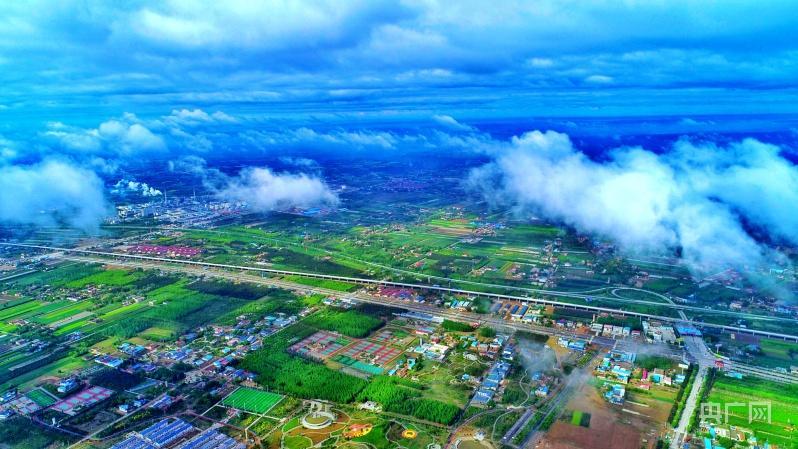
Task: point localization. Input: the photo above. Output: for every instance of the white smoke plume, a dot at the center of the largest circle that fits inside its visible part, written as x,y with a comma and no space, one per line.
141,188
700,199
52,193
535,356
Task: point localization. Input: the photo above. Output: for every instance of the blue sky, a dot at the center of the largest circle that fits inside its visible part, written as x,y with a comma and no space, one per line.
81,62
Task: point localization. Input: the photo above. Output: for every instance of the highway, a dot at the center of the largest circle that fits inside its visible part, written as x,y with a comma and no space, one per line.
455,315
540,301
586,296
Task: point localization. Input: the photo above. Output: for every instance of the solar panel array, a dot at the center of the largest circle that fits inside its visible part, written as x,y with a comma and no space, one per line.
212,439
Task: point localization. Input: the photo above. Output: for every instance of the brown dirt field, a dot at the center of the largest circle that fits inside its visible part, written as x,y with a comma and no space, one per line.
605,422
603,433
657,411
560,352
456,232
606,431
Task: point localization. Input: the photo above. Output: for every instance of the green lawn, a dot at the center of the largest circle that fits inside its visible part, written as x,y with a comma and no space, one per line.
252,400
296,442
40,397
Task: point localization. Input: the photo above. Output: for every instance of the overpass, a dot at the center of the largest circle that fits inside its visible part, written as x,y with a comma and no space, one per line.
438,288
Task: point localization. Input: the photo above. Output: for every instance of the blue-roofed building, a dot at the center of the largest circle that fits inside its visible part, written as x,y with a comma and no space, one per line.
622,374
687,331
615,395
491,383
157,436
577,345
133,442
542,391
212,439
622,356
166,431
482,397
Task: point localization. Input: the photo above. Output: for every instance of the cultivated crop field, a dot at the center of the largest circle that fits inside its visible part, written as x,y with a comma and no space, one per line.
784,407
252,400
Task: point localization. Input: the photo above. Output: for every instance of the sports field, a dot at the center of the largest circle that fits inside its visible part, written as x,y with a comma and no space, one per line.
40,398
252,400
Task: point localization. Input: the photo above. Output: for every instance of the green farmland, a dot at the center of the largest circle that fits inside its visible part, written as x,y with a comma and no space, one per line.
784,407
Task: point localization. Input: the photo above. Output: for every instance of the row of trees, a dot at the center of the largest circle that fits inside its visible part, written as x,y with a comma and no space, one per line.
456,326
281,372
298,377
400,396
221,288
351,323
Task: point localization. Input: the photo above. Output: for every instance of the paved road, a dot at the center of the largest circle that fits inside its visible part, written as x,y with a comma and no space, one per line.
705,360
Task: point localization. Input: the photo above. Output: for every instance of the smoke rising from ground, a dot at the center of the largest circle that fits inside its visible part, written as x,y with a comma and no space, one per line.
698,198
535,356
129,186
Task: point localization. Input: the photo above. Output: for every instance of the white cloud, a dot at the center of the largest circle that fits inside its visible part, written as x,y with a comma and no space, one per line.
307,136
9,150
301,162
696,198
121,137
251,26
51,193
599,79
540,63
265,190
193,117
451,123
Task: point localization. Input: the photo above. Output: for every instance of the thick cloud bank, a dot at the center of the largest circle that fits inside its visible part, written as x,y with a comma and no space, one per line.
265,190
702,200
51,193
